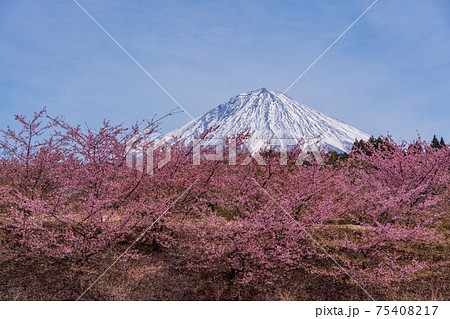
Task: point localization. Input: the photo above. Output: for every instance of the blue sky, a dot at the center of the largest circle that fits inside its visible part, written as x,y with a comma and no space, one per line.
389,74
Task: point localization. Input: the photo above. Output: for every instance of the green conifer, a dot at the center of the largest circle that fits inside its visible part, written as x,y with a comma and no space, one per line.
435,142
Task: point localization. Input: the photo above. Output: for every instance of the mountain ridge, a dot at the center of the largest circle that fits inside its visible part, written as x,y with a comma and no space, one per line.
271,118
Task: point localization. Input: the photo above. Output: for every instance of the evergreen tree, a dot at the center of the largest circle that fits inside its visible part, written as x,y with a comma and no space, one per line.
381,143
332,157
442,143
344,156
435,142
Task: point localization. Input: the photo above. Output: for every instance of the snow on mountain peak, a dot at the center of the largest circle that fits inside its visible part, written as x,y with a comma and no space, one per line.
271,118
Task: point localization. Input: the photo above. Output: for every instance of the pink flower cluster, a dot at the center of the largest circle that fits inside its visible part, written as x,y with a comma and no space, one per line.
66,193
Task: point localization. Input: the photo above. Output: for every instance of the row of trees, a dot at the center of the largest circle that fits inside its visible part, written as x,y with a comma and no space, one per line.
362,145
67,197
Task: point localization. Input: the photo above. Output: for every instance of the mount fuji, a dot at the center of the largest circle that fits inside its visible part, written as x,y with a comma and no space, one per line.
271,118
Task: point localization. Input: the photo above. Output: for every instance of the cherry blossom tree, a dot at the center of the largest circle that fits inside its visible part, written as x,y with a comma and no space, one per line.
68,194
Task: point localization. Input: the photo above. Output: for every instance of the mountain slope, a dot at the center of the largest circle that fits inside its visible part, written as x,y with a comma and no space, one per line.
272,118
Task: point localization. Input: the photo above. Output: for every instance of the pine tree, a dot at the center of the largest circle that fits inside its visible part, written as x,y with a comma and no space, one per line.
435,142
442,143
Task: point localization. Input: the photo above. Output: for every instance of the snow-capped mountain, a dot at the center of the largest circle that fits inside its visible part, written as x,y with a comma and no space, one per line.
271,118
